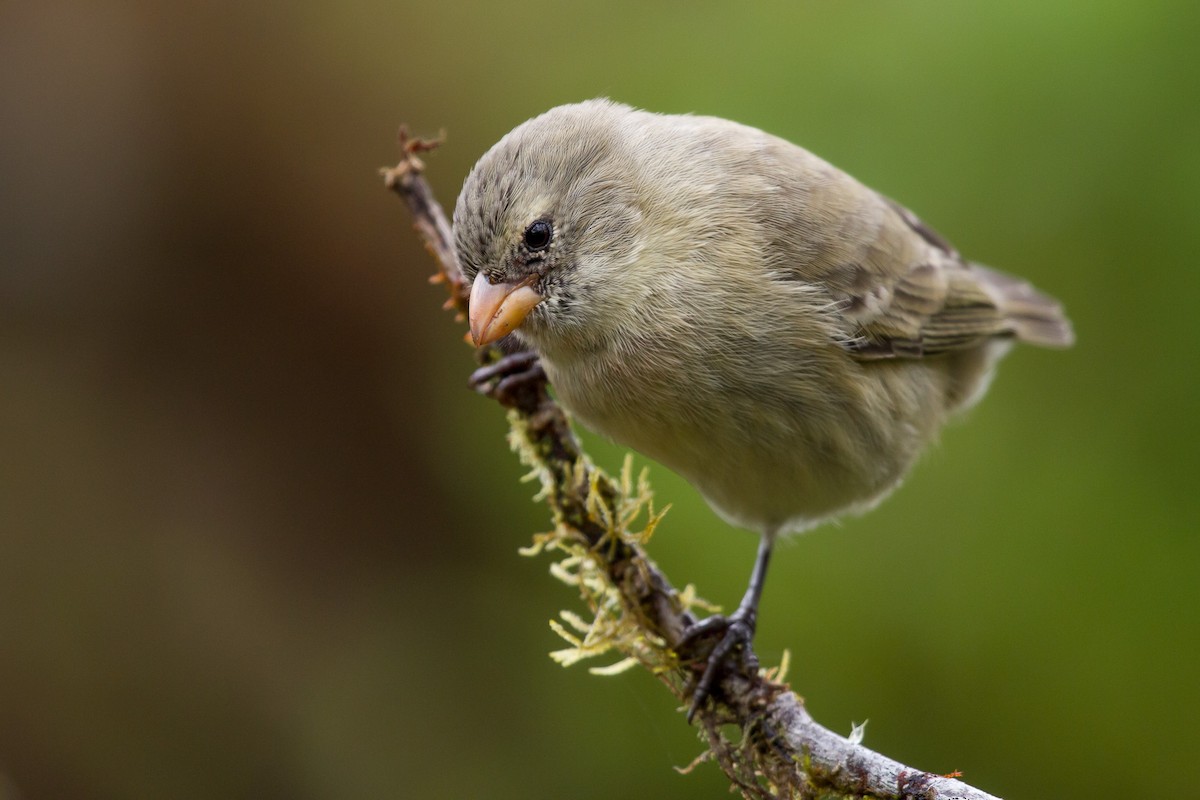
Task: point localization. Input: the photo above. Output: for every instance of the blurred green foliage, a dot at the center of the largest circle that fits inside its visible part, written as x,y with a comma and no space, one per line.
257,540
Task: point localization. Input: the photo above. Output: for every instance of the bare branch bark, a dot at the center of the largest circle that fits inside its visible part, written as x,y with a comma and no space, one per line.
782,751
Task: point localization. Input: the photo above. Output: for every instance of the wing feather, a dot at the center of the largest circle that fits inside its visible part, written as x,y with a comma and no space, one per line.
898,287
916,296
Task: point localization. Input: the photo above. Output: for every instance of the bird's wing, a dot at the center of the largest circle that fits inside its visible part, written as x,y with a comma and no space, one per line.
896,287
911,295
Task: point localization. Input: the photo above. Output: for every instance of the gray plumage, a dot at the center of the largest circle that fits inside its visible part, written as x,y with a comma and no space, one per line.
734,307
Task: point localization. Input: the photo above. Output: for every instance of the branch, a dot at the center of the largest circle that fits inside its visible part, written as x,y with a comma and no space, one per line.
637,613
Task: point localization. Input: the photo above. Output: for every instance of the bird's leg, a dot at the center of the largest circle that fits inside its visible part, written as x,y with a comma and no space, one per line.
510,377
739,630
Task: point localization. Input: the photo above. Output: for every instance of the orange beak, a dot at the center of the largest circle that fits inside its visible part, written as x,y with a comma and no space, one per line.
498,309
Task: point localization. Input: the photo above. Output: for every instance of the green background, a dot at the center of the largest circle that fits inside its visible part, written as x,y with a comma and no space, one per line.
258,540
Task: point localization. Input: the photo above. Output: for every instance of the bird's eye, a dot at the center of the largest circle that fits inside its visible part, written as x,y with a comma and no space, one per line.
537,235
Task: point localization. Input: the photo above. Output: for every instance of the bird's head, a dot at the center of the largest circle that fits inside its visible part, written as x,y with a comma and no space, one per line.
545,225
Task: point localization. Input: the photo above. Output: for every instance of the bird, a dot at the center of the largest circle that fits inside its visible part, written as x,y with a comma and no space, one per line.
734,307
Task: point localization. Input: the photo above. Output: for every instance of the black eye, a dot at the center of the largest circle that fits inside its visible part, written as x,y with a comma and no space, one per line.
537,235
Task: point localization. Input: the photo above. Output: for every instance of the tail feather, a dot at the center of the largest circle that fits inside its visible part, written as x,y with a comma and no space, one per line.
1036,318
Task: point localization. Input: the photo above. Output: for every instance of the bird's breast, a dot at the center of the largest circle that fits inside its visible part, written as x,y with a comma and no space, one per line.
765,445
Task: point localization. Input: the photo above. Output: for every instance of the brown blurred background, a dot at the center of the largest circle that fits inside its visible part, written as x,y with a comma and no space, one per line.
257,539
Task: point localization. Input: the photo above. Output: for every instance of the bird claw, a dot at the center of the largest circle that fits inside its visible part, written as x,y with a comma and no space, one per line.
511,379
738,629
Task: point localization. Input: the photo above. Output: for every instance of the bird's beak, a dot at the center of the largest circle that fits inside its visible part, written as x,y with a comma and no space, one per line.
498,309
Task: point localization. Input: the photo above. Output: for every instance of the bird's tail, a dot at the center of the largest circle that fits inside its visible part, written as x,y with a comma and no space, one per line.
1036,318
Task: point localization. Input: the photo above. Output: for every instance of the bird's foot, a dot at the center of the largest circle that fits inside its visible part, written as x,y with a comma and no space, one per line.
512,379
737,635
